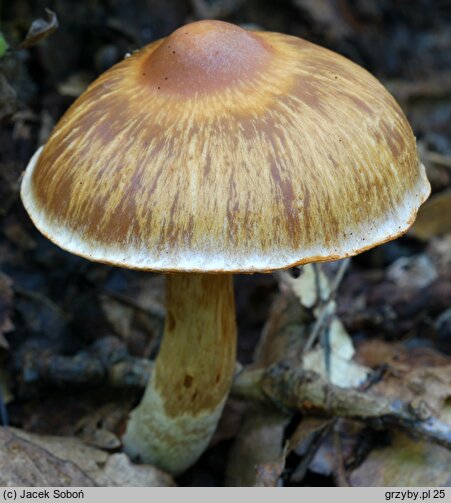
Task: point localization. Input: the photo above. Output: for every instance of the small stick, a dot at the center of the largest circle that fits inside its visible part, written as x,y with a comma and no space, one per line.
339,466
291,388
315,444
42,299
324,307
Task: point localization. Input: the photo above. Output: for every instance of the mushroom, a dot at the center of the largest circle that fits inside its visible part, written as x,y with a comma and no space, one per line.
211,152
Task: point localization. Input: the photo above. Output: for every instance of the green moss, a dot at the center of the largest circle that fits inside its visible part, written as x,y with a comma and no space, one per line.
3,45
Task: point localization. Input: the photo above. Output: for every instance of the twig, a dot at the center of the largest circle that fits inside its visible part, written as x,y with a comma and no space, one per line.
339,466
324,307
301,470
131,372
105,362
153,310
435,86
42,299
435,157
248,385
287,388
296,389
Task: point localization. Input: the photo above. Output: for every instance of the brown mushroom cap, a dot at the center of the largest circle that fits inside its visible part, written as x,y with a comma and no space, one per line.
222,150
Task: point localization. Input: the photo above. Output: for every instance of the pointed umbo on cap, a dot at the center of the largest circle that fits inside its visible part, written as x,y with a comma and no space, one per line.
219,149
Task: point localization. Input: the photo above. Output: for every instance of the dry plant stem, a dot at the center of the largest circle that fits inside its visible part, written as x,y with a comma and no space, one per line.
324,311
317,440
183,401
443,160
296,389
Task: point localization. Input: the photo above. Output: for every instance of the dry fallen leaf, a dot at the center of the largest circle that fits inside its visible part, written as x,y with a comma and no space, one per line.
75,84
341,369
433,217
3,342
118,314
284,332
423,375
40,29
412,273
24,463
97,426
308,428
230,422
269,474
439,249
311,287
257,453
119,471
406,463
27,459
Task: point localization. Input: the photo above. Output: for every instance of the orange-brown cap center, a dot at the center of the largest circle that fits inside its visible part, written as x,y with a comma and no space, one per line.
205,56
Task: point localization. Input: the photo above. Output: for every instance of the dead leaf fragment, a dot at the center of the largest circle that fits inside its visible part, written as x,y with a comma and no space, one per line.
311,287
119,471
423,375
306,441
40,29
118,314
96,428
308,428
3,342
406,463
75,84
27,459
338,366
439,250
269,474
412,273
434,217
257,456
24,463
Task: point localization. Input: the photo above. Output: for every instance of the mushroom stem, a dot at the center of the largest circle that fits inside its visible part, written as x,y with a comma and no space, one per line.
184,398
